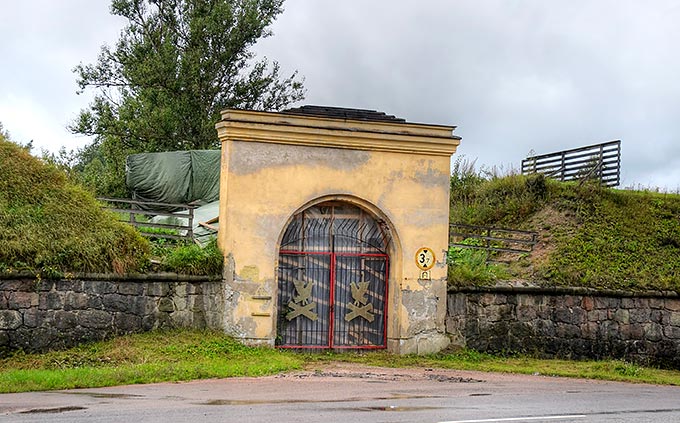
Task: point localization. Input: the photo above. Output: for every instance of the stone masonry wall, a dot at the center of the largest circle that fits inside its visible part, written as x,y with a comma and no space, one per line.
568,323
37,315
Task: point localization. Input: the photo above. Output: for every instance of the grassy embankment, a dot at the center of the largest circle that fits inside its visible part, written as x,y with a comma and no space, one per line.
50,225
589,236
187,355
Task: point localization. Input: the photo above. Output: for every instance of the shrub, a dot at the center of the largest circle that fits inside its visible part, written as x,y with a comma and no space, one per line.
192,259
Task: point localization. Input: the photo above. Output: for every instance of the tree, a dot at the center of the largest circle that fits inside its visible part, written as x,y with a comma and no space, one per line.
176,65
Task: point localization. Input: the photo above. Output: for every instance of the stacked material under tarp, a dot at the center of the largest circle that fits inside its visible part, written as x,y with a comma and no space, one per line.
177,177
206,222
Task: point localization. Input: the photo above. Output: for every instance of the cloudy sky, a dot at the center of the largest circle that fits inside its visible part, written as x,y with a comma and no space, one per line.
515,76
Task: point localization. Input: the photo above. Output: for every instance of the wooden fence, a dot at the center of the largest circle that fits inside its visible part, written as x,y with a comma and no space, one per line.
131,210
598,161
492,239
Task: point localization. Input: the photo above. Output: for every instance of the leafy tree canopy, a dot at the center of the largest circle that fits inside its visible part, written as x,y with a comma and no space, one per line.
176,64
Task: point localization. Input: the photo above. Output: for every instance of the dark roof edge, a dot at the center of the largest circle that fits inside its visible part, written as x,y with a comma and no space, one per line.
343,113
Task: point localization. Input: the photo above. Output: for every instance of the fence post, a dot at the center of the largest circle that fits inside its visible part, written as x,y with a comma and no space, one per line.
190,231
133,207
618,162
601,165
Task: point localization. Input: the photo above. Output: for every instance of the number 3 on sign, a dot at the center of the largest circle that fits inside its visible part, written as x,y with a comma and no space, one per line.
425,258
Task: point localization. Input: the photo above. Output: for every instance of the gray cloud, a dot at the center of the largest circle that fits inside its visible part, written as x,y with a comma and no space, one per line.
514,75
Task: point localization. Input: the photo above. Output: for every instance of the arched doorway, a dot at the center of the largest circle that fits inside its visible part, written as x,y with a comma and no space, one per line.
332,279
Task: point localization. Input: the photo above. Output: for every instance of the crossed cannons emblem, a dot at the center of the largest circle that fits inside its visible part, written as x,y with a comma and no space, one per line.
301,304
360,307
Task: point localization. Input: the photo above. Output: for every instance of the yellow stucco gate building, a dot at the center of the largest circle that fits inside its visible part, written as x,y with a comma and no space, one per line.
334,227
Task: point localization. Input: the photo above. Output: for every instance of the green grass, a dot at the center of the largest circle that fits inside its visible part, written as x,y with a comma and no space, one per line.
592,236
144,358
625,240
183,355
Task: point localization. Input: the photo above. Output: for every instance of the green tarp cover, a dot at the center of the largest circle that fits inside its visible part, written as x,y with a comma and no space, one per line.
177,177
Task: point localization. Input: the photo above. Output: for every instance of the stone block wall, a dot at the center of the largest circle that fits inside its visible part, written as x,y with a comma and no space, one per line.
568,323
37,315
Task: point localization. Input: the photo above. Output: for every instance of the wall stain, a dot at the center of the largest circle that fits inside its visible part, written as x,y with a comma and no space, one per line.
252,157
430,176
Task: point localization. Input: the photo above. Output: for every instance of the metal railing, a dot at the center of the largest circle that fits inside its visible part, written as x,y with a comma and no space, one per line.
135,208
492,239
598,161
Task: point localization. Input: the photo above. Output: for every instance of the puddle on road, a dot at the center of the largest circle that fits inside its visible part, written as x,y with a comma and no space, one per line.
51,410
99,395
480,394
308,401
245,402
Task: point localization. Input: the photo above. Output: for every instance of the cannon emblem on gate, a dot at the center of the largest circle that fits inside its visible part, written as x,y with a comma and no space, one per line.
301,304
360,307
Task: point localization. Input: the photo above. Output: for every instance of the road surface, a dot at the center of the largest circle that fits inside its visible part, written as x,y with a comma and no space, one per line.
350,393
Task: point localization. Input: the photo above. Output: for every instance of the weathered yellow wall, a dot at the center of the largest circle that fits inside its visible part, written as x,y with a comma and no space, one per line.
264,184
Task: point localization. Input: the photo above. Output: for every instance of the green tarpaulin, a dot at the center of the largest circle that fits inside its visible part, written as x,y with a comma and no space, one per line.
177,177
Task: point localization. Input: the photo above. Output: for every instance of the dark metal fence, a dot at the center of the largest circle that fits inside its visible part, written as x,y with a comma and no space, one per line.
492,239
136,213
598,161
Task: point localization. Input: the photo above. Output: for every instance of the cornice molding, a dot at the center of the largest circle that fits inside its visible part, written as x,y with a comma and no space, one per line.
244,125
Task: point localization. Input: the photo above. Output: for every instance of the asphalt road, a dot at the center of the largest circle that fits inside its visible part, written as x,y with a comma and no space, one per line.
348,393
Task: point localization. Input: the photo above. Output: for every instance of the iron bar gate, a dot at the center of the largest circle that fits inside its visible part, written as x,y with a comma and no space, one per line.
332,278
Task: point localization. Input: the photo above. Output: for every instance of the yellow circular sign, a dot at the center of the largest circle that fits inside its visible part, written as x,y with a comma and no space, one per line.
425,258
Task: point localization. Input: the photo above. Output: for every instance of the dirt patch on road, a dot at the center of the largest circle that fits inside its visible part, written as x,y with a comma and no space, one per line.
355,371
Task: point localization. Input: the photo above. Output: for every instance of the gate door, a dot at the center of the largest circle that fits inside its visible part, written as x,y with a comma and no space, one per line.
332,276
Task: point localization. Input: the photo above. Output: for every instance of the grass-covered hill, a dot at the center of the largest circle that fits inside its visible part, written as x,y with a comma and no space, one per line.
589,236
50,225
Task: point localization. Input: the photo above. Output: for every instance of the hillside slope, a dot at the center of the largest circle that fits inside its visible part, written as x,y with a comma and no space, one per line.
588,235
50,225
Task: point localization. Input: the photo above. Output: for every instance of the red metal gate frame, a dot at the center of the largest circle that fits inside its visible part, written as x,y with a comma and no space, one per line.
331,300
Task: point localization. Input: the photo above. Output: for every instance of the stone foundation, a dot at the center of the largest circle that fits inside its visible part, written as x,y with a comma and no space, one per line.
568,323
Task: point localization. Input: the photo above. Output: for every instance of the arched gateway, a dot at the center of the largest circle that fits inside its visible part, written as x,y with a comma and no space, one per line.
342,271
332,279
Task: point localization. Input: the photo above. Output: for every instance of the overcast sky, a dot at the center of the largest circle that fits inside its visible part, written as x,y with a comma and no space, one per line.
514,75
